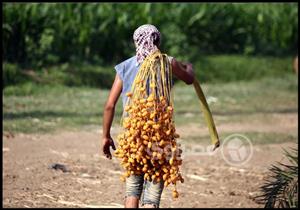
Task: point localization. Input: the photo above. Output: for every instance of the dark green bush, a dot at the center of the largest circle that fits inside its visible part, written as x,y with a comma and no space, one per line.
36,35
12,75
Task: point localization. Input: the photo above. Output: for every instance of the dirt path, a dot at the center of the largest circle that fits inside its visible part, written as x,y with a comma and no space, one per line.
93,181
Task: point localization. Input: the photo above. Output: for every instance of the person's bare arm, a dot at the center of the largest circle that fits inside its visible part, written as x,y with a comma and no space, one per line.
183,71
108,115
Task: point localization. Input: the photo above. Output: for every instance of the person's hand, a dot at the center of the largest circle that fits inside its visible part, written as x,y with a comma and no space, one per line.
106,143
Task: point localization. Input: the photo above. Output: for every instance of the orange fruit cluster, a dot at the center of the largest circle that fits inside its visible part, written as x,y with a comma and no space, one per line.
148,145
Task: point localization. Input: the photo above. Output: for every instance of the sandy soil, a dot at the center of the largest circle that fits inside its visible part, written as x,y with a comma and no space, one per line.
93,180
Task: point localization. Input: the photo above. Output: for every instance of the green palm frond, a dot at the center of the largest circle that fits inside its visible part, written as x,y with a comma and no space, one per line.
280,189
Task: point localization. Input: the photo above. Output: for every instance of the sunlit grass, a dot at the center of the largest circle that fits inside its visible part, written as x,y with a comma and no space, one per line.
37,109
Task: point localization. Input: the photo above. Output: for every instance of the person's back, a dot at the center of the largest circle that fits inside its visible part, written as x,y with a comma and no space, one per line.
147,40
127,71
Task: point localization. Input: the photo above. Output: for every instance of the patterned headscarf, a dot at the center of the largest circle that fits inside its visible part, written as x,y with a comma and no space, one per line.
144,38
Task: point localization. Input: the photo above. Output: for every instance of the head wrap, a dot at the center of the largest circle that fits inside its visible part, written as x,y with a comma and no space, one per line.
144,38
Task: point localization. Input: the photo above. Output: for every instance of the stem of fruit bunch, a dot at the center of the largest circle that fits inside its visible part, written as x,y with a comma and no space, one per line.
207,115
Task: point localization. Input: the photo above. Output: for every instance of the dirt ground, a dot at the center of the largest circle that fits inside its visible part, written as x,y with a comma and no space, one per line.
93,180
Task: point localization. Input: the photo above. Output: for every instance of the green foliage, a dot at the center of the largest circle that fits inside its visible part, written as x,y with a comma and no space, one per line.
64,43
25,89
63,74
224,68
12,75
39,34
80,75
213,69
281,188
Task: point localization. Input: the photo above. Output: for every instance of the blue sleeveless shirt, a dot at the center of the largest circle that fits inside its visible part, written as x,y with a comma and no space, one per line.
127,71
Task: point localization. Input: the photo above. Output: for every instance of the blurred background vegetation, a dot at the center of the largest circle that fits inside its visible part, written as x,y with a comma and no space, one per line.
78,44
58,66
58,61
